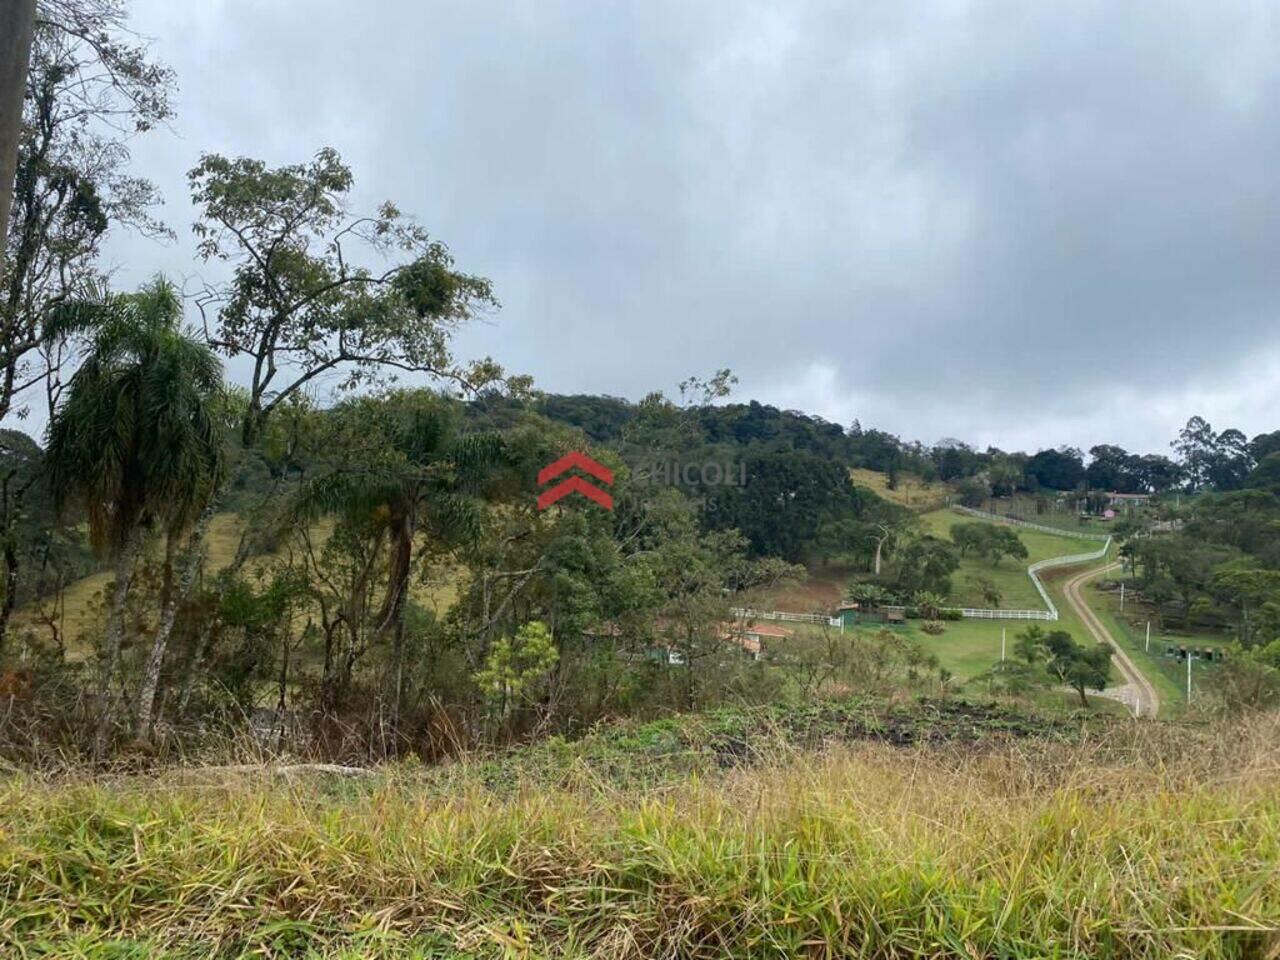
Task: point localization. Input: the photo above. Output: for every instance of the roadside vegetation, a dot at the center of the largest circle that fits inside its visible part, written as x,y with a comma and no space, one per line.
295,663
863,829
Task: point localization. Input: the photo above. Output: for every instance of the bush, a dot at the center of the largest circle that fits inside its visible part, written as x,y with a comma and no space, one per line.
933,627
950,613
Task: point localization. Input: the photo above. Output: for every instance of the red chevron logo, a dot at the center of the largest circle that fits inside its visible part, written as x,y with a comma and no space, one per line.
575,484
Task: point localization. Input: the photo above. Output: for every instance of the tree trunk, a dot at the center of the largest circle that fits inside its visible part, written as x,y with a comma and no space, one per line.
10,592
174,593
17,22
879,547
397,678
109,665
193,668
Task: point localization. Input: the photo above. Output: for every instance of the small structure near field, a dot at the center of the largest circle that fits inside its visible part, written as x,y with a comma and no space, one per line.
851,613
1127,501
752,639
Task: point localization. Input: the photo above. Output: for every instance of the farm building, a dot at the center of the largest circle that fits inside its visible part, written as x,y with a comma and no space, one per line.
851,614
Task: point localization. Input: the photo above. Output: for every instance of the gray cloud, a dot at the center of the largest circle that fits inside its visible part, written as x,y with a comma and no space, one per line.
1020,224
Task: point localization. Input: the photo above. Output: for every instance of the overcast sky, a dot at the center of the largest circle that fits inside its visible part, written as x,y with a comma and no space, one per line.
1019,224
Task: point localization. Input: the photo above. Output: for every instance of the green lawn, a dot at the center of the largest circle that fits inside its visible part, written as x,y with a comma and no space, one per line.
969,648
1010,576
1023,507
1167,674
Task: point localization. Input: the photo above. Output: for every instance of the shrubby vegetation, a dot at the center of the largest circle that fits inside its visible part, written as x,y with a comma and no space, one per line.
388,573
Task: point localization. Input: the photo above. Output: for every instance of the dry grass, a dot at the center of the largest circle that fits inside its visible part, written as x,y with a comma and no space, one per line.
910,491
80,616
1153,841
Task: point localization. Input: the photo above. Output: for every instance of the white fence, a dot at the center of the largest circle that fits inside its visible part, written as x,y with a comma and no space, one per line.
1001,518
744,613
973,613
970,613
1068,561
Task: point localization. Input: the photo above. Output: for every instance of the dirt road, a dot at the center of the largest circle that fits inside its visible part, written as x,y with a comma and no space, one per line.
1137,693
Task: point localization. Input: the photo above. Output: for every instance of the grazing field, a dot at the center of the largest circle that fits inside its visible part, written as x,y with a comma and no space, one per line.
909,491
1168,674
939,829
968,648
1047,511
1010,575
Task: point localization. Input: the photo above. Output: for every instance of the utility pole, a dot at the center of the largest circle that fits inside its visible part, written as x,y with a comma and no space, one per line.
1147,649
1121,594
1002,629
17,22
1188,676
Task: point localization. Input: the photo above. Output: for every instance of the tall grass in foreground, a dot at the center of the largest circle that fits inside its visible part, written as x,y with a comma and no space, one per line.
1146,848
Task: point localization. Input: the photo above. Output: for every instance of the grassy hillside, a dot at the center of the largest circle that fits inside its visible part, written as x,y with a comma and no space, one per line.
910,491
940,829
1049,510
81,613
1010,575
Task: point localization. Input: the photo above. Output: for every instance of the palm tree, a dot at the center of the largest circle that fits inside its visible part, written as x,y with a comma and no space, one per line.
136,441
929,603
867,595
424,477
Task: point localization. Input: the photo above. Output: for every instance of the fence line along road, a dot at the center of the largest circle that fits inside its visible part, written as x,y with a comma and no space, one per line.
745,613
970,613
1069,561
1001,518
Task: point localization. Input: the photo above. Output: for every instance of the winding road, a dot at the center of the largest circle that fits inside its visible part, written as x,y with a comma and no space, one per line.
1137,693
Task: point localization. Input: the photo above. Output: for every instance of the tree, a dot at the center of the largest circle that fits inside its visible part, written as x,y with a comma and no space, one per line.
515,665
970,537
1231,461
1263,445
986,588
1254,594
1057,469
302,304
1004,542
867,596
1196,447
1156,474
973,492
1112,468
1266,475
1079,667
1006,474
929,603
787,498
1184,561
17,20
925,563
404,470
90,88
137,441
